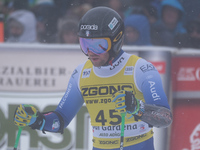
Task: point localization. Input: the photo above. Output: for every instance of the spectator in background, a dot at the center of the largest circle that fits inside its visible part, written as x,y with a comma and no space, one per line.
67,31
11,6
139,6
47,18
170,23
137,30
21,26
192,38
150,10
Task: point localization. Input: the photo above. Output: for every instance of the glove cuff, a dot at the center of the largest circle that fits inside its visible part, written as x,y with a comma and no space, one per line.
140,109
39,123
137,107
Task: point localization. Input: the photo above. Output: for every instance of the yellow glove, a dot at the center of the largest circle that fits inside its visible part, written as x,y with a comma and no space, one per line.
119,99
125,101
25,115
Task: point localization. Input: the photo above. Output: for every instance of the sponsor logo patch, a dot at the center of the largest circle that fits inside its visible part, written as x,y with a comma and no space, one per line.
128,70
142,127
105,89
89,27
154,94
56,124
147,67
86,73
117,63
113,23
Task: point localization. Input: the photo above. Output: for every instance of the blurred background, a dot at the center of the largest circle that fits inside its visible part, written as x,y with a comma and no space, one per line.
39,50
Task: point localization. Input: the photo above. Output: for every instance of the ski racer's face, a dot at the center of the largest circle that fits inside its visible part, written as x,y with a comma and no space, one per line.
96,49
95,45
98,60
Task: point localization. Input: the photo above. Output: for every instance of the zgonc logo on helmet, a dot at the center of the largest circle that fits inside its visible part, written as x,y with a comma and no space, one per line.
89,27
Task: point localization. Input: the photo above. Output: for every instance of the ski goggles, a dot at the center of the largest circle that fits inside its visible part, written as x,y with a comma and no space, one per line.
95,45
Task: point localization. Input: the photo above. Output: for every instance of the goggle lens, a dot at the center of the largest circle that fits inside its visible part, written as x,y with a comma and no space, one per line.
95,45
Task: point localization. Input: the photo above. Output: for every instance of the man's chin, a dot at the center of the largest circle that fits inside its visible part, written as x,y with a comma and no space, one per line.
96,64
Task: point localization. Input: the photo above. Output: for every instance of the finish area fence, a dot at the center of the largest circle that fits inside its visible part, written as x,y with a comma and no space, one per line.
38,74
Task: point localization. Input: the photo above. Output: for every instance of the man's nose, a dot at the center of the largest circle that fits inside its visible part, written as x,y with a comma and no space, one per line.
91,53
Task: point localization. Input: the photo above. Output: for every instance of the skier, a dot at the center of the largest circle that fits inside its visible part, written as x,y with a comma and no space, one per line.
110,82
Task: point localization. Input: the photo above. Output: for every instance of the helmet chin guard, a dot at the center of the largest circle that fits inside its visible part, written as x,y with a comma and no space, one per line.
103,22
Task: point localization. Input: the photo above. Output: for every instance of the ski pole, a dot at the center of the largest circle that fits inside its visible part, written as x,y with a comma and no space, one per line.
18,137
122,131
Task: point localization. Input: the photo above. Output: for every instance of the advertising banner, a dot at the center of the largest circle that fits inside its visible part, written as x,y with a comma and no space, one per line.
73,135
185,133
38,75
39,70
186,77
